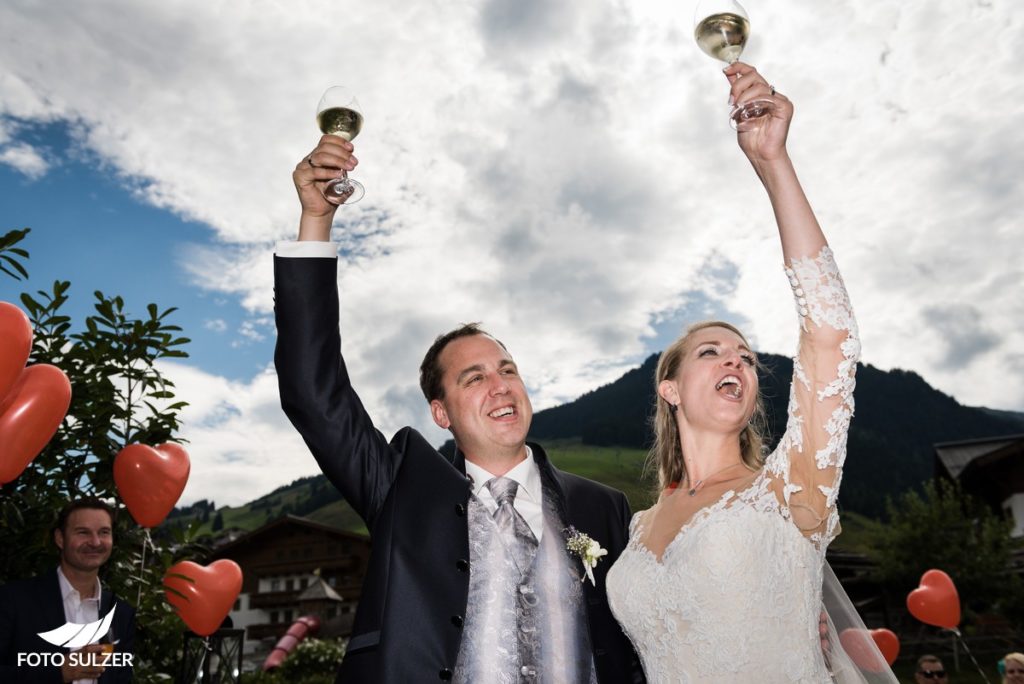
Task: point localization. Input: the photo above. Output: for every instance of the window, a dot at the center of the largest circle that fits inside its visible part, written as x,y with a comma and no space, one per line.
303,583
273,617
238,604
275,585
289,585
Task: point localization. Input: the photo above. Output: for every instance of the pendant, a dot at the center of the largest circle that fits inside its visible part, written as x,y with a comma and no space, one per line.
693,490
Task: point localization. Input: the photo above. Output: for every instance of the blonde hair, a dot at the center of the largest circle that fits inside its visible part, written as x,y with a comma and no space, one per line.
1015,656
666,453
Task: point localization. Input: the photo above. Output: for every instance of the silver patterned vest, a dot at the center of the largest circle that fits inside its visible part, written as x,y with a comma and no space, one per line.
523,627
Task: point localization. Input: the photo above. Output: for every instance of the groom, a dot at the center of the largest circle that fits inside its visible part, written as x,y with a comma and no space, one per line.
470,579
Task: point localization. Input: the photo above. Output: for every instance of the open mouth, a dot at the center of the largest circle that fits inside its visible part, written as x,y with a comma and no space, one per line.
730,386
503,412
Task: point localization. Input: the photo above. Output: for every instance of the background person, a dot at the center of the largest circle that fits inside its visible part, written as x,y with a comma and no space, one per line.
1013,668
930,670
70,593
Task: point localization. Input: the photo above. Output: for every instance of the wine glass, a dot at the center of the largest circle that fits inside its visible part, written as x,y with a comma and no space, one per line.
339,114
721,28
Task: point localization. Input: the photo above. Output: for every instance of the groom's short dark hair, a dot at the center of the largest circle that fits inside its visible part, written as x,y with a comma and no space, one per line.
431,373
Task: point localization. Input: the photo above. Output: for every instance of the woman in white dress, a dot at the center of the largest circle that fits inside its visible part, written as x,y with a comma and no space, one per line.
722,577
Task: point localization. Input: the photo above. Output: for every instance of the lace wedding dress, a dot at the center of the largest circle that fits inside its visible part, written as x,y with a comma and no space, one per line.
737,594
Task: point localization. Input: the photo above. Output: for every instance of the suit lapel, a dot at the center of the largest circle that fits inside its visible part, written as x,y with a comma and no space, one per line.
51,602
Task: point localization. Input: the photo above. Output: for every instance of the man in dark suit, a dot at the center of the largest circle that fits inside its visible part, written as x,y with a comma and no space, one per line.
70,593
470,578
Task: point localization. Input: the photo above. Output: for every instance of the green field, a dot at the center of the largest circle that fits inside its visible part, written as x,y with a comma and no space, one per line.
614,466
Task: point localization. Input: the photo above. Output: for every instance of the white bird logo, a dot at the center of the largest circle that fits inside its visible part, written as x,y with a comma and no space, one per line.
73,635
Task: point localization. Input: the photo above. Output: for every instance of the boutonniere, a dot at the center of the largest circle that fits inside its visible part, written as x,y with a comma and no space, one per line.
588,550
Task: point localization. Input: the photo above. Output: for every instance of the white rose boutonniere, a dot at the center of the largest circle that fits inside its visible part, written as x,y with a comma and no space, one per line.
588,551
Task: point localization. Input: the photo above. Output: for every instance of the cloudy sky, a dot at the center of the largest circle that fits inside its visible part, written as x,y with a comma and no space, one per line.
562,172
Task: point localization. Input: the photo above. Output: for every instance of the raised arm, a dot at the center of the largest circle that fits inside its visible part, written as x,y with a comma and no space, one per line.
316,391
807,464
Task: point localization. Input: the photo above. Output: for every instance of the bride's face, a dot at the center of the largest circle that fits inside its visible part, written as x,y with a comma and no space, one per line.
716,385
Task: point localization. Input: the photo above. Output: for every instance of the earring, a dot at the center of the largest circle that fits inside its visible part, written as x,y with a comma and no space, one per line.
672,408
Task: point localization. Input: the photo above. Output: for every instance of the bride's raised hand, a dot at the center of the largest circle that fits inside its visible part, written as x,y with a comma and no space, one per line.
762,139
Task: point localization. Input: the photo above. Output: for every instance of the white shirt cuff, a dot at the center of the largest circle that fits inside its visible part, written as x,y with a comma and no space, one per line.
306,248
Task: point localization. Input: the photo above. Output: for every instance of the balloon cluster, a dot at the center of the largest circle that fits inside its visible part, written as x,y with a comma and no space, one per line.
935,602
150,481
33,399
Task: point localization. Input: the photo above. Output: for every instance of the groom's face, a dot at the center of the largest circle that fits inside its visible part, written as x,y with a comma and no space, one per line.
485,404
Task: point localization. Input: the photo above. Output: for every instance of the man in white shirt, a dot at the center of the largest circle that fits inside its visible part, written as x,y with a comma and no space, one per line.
71,593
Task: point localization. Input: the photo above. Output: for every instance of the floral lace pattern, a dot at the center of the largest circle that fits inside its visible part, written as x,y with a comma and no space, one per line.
736,595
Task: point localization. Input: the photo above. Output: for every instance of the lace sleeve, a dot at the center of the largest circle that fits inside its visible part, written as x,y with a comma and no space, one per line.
806,467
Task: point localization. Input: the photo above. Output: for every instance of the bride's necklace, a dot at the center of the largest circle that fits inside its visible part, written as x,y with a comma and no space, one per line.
699,484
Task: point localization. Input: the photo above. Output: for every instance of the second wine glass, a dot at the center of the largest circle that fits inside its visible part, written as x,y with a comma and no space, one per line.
339,114
721,28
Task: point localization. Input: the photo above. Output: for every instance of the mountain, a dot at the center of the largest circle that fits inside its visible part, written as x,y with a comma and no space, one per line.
898,420
604,435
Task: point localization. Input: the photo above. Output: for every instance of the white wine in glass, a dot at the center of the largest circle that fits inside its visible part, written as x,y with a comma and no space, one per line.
339,114
721,28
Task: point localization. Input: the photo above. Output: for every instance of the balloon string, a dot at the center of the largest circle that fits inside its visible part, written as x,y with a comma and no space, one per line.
974,660
207,649
147,539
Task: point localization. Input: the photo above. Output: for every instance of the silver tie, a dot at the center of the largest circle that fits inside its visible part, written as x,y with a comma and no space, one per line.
516,534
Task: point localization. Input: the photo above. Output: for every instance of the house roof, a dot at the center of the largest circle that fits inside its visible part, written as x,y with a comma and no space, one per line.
319,591
289,521
957,456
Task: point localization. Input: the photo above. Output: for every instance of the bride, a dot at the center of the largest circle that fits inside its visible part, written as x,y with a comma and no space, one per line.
722,578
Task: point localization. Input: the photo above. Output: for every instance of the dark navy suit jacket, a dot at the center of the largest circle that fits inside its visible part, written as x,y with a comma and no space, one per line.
408,626
32,606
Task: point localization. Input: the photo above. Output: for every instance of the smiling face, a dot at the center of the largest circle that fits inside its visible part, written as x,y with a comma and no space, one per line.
484,404
1014,669
86,540
715,386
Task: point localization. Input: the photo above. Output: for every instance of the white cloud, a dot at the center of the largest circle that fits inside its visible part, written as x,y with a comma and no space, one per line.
567,178
217,325
241,445
25,159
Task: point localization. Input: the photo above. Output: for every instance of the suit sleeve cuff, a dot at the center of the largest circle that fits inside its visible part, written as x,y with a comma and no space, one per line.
307,248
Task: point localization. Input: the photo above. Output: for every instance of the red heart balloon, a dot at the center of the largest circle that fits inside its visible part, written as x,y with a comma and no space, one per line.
150,480
888,643
203,597
29,415
871,651
15,345
935,601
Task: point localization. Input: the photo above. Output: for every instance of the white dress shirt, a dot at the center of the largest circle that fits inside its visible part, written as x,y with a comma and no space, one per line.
306,248
77,609
529,500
